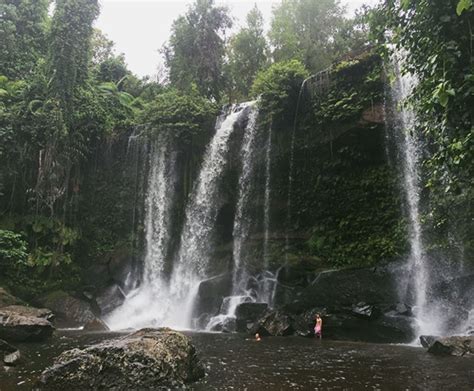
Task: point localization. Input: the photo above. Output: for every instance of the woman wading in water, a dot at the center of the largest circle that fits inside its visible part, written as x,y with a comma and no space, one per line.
318,327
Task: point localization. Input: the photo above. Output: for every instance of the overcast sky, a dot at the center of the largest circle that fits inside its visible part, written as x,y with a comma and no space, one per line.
140,28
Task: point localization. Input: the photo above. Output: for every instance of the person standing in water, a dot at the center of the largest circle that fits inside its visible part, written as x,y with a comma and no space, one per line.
318,327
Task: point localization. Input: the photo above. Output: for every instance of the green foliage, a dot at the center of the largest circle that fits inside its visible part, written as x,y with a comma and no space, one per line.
69,51
51,240
463,5
196,49
357,219
354,85
438,37
183,115
279,86
314,32
13,249
101,47
112,69
247,55
23,25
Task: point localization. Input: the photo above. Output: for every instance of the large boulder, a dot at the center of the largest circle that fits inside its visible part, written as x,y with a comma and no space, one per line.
222,323
211,291
449,346
148,359
69,310
275,323
44,313
365,311
247,314
18,323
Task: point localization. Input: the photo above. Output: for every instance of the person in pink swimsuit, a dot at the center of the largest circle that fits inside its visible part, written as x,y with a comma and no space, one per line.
318,327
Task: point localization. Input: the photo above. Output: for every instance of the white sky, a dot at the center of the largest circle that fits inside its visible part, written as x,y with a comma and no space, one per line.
139,28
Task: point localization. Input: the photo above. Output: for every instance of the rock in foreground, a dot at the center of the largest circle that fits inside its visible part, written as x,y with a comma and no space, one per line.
149,359
19,323
449,346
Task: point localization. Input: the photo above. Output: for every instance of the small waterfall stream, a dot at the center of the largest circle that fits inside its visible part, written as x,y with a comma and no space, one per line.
428,315
289,216
267,287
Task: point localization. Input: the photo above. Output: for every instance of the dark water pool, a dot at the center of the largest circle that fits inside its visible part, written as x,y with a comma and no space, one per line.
235,363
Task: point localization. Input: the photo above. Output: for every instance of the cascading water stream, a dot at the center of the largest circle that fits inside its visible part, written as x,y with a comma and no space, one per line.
292,156
428,319
142,305
266,292
242,220
242,223
196,239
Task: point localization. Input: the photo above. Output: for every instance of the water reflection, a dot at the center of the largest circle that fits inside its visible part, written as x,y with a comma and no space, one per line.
237,362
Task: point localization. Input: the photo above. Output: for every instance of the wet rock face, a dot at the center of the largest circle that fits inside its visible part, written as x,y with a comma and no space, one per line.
275,323
110,298
449,346
70,311
149,359
365,311
18,323
96,325
247,314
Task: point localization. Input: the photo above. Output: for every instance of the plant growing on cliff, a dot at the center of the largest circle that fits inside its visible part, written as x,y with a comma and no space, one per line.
278,87
182,115
438,35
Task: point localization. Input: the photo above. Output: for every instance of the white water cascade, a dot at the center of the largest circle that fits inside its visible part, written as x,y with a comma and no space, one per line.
427,313
142,305
164,300
242,224
267,287
242,220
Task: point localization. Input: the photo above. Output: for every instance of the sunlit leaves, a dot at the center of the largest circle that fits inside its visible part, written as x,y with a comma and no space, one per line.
463,5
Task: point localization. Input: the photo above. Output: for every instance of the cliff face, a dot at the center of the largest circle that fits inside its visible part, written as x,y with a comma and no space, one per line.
345,208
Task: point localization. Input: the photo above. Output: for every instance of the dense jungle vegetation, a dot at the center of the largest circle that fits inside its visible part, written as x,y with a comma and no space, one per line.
66,98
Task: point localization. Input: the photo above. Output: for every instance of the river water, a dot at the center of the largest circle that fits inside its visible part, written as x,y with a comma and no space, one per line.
234,362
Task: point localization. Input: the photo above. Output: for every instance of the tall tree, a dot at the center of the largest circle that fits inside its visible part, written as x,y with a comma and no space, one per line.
70,48
247,54
196,49
23,25
306,30
63,88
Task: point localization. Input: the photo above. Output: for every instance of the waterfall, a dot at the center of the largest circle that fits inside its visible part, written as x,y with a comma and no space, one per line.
242,220
201,213
290,170
427,316
242,224
142,306
136,157
267,287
